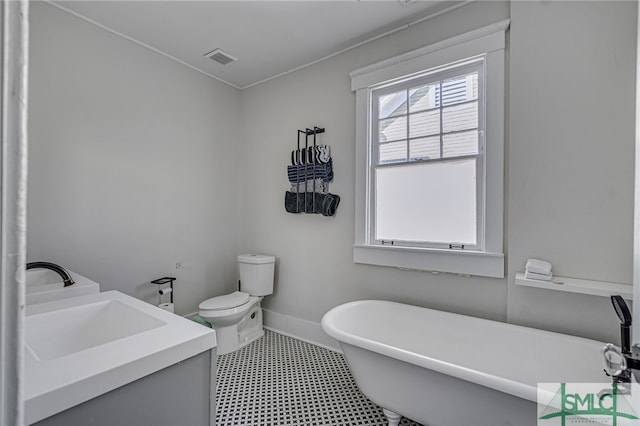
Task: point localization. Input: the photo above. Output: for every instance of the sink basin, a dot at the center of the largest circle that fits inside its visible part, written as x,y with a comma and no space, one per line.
58,333
44,285
79,348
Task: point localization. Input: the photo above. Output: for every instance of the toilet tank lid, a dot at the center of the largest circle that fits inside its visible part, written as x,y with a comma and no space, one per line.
226,301
256,258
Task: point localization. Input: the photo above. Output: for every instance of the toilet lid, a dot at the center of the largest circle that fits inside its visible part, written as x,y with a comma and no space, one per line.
227,301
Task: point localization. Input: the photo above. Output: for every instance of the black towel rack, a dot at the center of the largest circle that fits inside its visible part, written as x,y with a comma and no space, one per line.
307,133
306,165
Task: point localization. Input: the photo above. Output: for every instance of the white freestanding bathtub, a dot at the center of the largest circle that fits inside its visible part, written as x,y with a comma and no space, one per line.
444,369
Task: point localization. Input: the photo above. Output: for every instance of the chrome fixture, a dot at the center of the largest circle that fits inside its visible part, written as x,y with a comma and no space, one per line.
620,363
64,274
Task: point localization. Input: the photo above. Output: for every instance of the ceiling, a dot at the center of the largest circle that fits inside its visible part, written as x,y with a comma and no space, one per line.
269,38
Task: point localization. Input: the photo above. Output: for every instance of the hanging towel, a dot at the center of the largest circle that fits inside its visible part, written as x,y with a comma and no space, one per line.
295,157
317,185
310,171
320,154
538,267
325,204
324,154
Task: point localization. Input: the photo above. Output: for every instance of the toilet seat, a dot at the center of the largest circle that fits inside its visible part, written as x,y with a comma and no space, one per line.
227,301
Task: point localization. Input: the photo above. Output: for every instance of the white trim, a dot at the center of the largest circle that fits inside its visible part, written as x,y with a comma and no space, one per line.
191,315
473,43
332,55
636,217
494,151
301,329
138,42
363,162
463,262
490,43
13,206
361,43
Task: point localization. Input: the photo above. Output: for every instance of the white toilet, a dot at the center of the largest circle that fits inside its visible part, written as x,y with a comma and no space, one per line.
237,317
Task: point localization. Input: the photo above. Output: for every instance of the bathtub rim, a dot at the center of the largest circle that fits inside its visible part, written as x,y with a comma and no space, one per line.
492,381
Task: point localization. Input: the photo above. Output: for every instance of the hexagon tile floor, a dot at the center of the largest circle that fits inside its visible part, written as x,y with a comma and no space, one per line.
278,380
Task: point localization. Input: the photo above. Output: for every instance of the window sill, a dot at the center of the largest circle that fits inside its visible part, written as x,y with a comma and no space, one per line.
477,263
574,285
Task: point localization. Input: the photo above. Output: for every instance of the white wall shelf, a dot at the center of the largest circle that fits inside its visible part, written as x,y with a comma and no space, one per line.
575,285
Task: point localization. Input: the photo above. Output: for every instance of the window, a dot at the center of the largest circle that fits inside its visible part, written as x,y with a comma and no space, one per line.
429,157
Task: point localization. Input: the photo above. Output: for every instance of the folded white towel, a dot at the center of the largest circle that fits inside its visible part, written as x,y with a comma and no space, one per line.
541,277
538,266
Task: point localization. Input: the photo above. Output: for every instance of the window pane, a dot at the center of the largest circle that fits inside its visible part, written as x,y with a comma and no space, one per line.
427,202
472,84
457,144
392,104
460,117
460,89
423,97
392,129
393,152
424,124
425,148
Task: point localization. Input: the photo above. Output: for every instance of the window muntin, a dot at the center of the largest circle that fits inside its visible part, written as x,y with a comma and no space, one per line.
427,164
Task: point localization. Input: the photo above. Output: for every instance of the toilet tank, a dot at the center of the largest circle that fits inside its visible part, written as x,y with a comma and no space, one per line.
256,274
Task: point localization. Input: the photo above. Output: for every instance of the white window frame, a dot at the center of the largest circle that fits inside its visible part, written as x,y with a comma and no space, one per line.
487,259
452,70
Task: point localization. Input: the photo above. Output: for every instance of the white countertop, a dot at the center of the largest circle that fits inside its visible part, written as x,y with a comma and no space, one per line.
58,382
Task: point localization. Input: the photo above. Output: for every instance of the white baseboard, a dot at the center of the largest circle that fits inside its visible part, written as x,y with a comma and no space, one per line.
307,331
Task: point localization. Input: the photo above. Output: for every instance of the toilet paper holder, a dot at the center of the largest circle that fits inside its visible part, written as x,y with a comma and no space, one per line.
163,291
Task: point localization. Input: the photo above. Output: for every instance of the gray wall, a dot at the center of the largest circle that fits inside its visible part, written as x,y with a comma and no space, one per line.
569,187
315,270
571,156
135,165
132,160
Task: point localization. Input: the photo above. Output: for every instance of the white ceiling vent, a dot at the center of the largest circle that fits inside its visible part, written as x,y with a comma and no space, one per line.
220,56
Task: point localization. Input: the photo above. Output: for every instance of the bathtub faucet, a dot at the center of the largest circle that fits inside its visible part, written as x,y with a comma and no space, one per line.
621,363
64,274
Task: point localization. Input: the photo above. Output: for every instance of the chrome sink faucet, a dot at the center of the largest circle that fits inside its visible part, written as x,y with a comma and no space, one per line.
64,274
